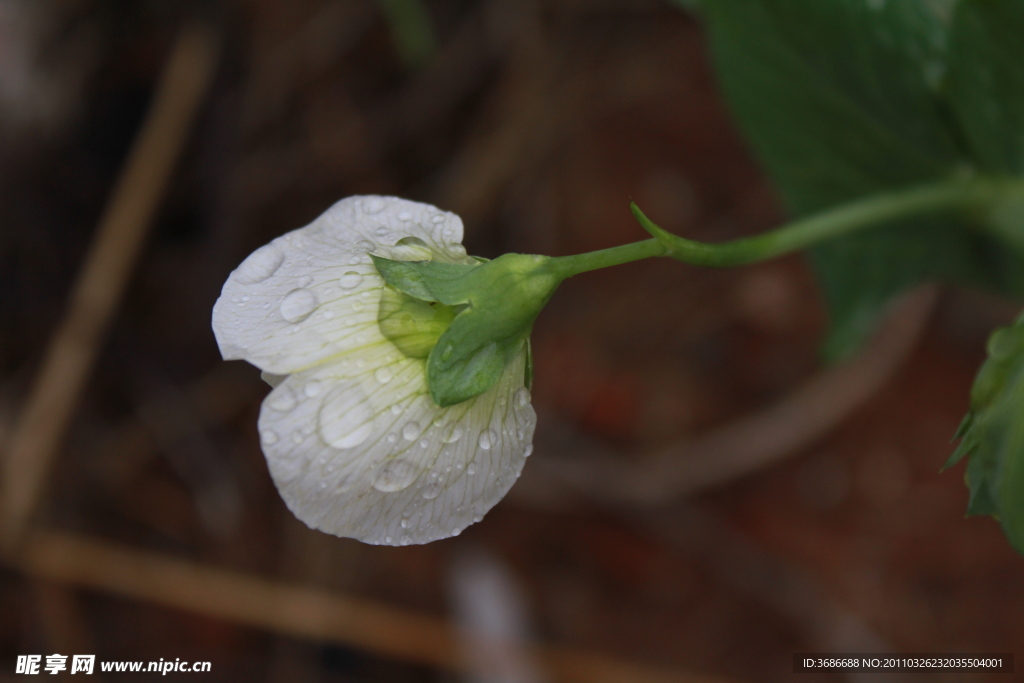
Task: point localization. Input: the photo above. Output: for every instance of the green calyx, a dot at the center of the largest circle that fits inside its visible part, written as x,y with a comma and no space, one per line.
467,320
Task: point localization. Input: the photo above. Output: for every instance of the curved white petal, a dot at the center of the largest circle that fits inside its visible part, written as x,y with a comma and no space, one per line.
313,293
357,448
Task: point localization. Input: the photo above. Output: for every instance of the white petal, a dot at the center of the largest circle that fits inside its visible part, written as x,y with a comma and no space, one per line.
313,294
364,452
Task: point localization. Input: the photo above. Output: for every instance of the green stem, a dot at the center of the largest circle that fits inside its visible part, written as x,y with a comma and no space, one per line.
567,266
962,195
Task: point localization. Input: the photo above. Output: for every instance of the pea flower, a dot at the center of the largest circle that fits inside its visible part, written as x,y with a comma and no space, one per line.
353,439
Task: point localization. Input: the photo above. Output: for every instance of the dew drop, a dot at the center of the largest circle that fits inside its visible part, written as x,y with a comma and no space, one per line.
396,409
458,249
392,437
437,218
384,375
387,539
410,431
260,265
424,443
405,523
282,399
350,280
355,260
305,281
382,232
345,418
432,489
357,306
522,397
312,388
269,436
395,476
297,305
529,451
412,249
471,470
373,205
405,216
455,435
365,245
487,439
456,531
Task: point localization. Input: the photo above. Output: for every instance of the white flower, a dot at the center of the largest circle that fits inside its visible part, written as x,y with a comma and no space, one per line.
354,442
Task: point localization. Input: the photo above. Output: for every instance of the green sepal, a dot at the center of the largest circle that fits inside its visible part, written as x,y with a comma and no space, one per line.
496,304
992,435
427,280
504,297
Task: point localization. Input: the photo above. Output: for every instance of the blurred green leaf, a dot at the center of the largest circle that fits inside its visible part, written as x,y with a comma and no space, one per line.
411,30
985,81
992,435
845,98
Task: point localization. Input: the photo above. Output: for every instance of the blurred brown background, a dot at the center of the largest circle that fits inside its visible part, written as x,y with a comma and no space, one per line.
705,499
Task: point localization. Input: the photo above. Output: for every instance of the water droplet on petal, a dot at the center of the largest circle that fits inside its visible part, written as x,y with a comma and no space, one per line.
437,218
405,216
382,232
383,375
471,470
365,245
281,399
522,397
396,409
392,437
269,436
405,523
312,388
346,419
260,265
387,539
297,305
412,249
455,435
395,476
410,431
529,451
487,439
305,281
373,205
432,489
457,249
350,280
456,531
424,443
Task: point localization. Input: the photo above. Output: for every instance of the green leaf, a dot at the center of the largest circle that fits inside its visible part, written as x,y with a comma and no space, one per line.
842,99
993,435
985,81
